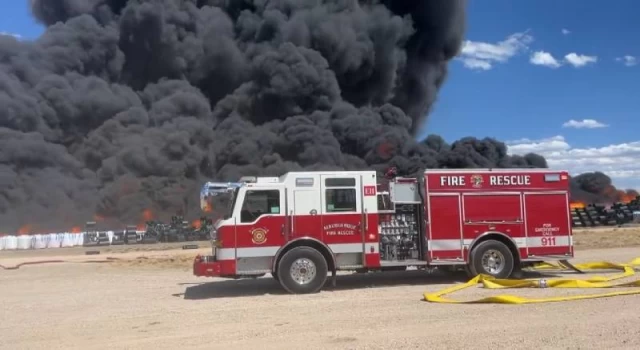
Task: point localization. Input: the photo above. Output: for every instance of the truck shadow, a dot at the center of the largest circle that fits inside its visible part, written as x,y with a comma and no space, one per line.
269,286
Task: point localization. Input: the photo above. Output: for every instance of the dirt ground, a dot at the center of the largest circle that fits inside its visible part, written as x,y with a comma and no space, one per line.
149,299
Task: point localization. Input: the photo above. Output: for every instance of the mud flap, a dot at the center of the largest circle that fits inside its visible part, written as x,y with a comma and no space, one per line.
570,266
333,278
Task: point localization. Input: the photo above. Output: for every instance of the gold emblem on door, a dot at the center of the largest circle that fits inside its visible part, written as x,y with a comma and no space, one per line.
258,235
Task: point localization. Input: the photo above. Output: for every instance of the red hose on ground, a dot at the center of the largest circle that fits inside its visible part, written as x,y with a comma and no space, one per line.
53,262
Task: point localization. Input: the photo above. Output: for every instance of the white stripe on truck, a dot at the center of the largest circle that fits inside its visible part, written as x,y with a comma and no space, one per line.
256,252
433,245
521,242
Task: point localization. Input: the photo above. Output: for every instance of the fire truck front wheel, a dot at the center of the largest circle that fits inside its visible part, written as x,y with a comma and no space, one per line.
491,258
302,270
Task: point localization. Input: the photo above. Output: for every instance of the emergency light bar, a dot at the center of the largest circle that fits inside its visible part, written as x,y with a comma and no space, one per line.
216,188
212,189
255,179
248,179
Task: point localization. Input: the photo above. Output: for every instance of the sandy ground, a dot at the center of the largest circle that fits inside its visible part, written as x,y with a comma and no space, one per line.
149,299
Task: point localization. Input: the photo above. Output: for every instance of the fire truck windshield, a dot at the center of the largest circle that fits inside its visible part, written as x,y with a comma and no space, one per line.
232,203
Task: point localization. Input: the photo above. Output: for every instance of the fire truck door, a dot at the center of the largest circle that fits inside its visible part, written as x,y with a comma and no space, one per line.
261,218
547,218
306,219
342,215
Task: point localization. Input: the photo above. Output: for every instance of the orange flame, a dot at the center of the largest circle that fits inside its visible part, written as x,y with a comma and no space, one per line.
76,229
626,197
385,150
25,229
147,215
196,224
208,207
577,205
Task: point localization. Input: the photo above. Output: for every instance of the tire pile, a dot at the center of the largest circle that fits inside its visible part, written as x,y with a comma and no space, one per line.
178,230
618,214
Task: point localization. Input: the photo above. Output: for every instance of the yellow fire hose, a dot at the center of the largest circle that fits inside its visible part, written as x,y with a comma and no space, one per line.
594,282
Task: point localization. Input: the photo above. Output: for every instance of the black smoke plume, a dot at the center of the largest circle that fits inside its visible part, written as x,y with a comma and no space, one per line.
596,188
123,107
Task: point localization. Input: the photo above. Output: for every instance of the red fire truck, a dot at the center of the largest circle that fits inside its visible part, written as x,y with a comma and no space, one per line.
303,225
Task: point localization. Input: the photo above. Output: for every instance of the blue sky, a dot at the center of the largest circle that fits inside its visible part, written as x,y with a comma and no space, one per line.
527,70
500,86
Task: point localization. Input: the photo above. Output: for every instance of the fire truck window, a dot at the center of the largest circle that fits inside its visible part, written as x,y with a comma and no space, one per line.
259,202
341,200
340,182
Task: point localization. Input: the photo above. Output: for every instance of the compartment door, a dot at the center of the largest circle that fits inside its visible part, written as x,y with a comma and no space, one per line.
445,228
548,224
342,214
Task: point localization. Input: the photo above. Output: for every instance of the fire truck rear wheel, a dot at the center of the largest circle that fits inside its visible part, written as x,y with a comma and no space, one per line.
491,258
302,270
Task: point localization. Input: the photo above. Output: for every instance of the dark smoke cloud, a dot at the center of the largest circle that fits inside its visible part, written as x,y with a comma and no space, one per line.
596,187
127,105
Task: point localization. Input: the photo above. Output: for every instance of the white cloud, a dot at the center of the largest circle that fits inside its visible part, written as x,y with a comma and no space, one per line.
17,36
483,55
566,31
619,161
580,60
552,144
543,58
473,63
628,60
584,124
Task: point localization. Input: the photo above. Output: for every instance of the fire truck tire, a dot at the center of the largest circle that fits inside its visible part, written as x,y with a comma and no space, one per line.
302,270
492,258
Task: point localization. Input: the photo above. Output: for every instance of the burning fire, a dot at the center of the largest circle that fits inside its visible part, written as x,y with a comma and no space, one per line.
147,215
25,229
207,207
625,197
577,205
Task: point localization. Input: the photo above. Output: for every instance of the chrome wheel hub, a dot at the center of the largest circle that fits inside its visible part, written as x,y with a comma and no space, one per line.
303,271
493,261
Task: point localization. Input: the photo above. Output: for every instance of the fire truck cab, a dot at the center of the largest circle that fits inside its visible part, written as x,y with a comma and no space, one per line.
303,225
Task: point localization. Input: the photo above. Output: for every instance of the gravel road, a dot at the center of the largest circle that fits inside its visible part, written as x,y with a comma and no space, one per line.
144,306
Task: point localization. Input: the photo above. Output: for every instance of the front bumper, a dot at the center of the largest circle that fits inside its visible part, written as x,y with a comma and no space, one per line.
208,266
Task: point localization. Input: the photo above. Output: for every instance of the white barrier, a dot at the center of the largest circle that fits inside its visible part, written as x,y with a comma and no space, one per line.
68,240
25,242
53,241
40,241
59,240
11,243
79,239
